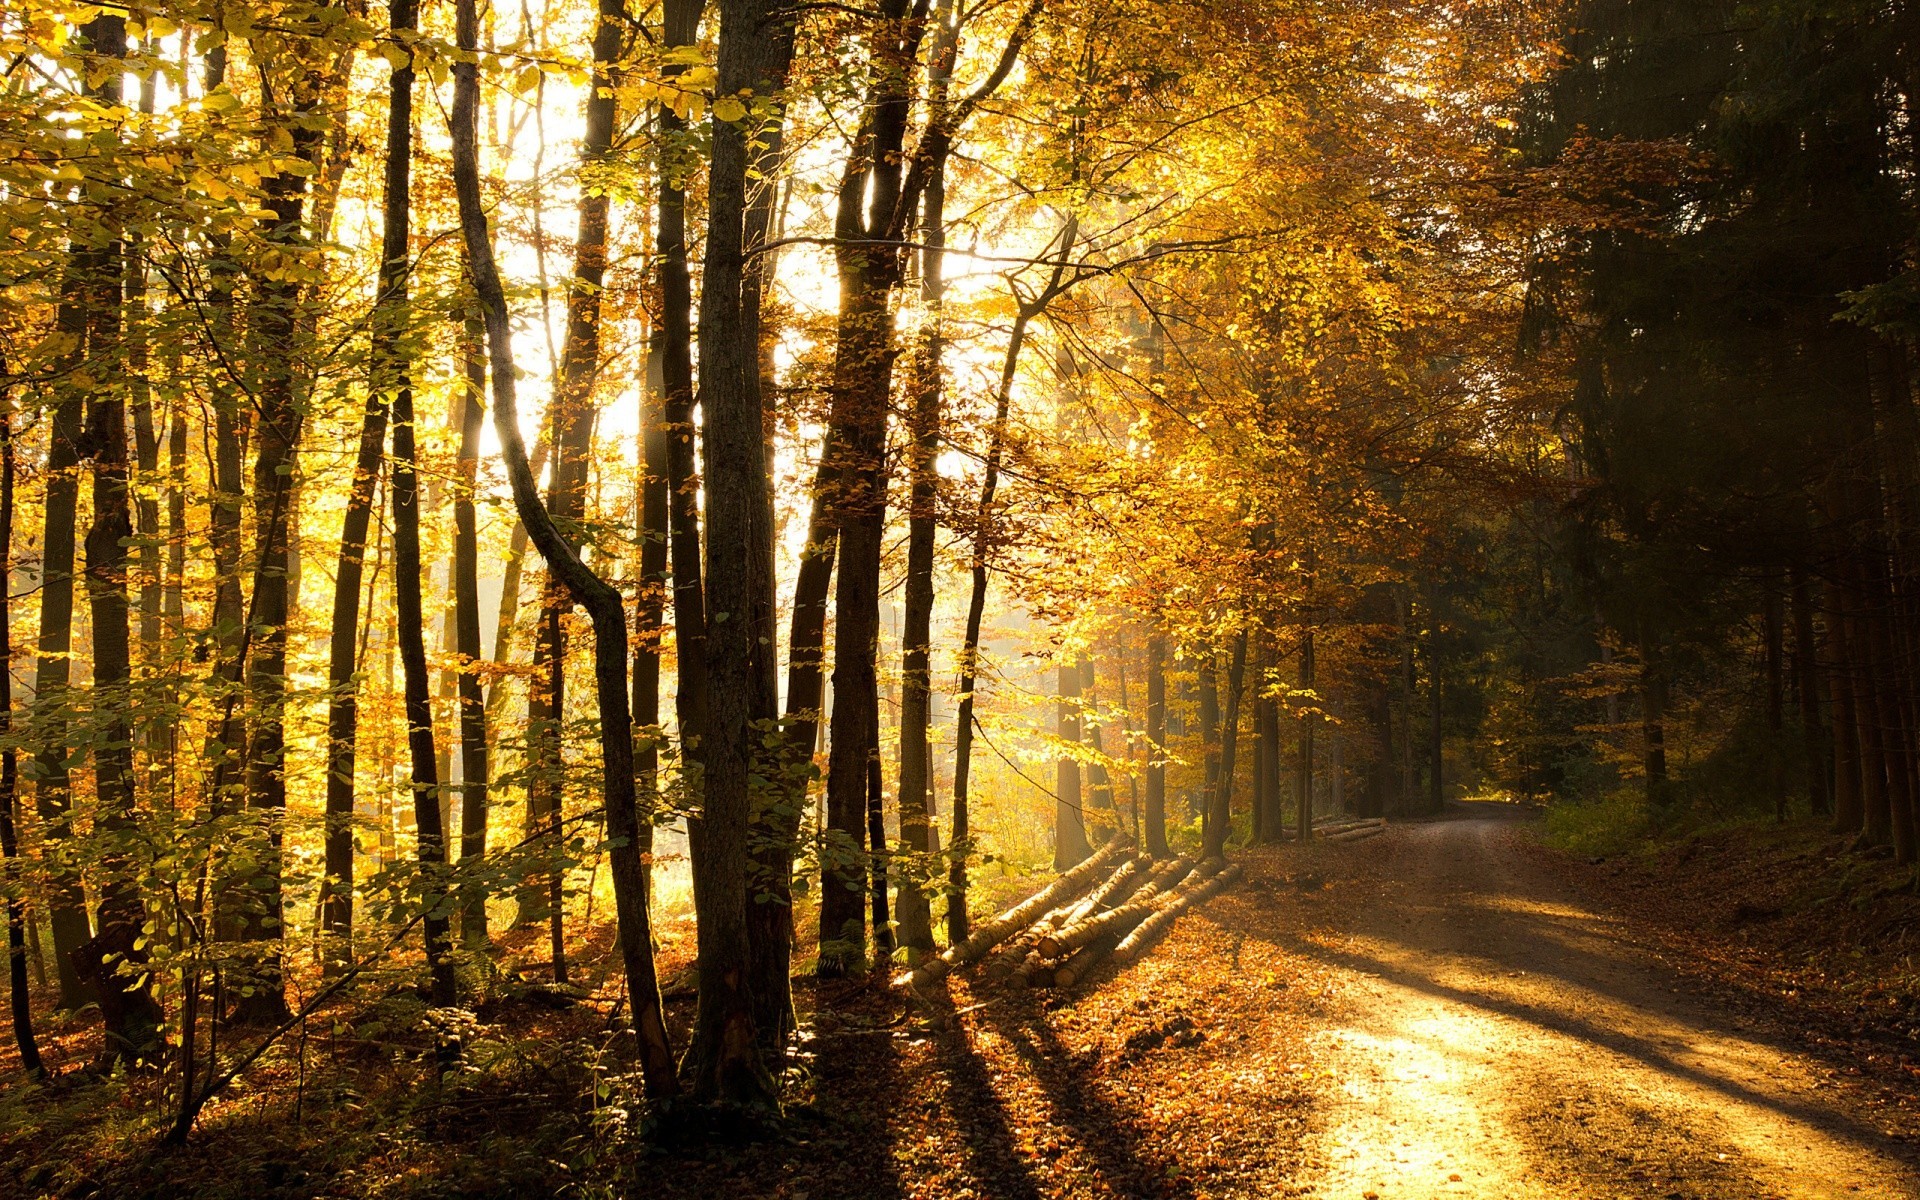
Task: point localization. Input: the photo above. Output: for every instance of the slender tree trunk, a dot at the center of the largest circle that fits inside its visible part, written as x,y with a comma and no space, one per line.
777,804
650,600
1653,714
600,599
916,678
1849,757
276,327
343,701
681,28
114,957
1156,823
22,999
393,375
475,779
53,669
1070,847
869,267
724,1061
1303,802
1220,823
961,845
1773,620
1807,681
1209,681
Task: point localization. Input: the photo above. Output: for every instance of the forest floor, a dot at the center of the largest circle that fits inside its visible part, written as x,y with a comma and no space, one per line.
1450,1009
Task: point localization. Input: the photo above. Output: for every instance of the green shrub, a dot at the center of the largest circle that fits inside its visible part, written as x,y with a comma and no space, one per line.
1599,828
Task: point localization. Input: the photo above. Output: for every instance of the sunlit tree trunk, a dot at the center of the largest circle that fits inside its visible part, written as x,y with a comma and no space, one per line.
724,1061
870,192
53,668
929,380
1156,822
1220,821
475,780
19,995
392,375
601,600
1070,847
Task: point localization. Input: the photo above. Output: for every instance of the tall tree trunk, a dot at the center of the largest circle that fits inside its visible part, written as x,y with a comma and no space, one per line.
778,804
343,642
20,996
1773,622
114,957
1208,678
929,378
983,530
1220,823
724,1061
53,793
867,228
1653,716
475,781
650,600
573,414
276,329
393,375
601,600
1070,847
1303,796
1156,823
1807,681
1267,721
1849,757
681,19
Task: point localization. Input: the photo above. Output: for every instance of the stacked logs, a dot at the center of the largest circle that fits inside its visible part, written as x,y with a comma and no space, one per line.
1057,936
1352,831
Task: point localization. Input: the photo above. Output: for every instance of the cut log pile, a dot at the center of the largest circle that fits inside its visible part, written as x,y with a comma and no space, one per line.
1058,935
1352,831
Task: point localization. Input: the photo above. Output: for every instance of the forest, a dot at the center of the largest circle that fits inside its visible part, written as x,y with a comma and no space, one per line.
960,598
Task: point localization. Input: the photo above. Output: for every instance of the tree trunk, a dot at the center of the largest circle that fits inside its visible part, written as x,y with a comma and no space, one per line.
601,600
916,678
48,729
1156,831
21,998
778,804
1849,756
1220,822
475,780
1807,683
649,612
1070,846
724,1062
1209,681
114,957
868,227
393,375
1303,800
276,326
343,702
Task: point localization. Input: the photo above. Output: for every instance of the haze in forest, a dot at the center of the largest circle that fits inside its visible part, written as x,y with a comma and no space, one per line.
997,598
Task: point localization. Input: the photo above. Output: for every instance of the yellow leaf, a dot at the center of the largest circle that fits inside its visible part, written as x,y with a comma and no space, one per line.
396,56
527,80
728,109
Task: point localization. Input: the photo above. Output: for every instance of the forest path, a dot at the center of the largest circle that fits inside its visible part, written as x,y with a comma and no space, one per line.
1499,1038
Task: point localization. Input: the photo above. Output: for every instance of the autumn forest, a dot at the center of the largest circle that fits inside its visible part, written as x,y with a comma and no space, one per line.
960,598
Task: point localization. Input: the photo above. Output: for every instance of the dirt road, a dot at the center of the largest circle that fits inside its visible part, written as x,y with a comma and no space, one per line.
1497,1038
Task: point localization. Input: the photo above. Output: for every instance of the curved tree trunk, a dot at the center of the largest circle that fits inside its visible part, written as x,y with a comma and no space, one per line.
600,599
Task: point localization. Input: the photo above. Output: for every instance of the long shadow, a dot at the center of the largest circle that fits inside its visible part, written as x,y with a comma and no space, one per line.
1108,1135
982,1119
1636,1048
860,1074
